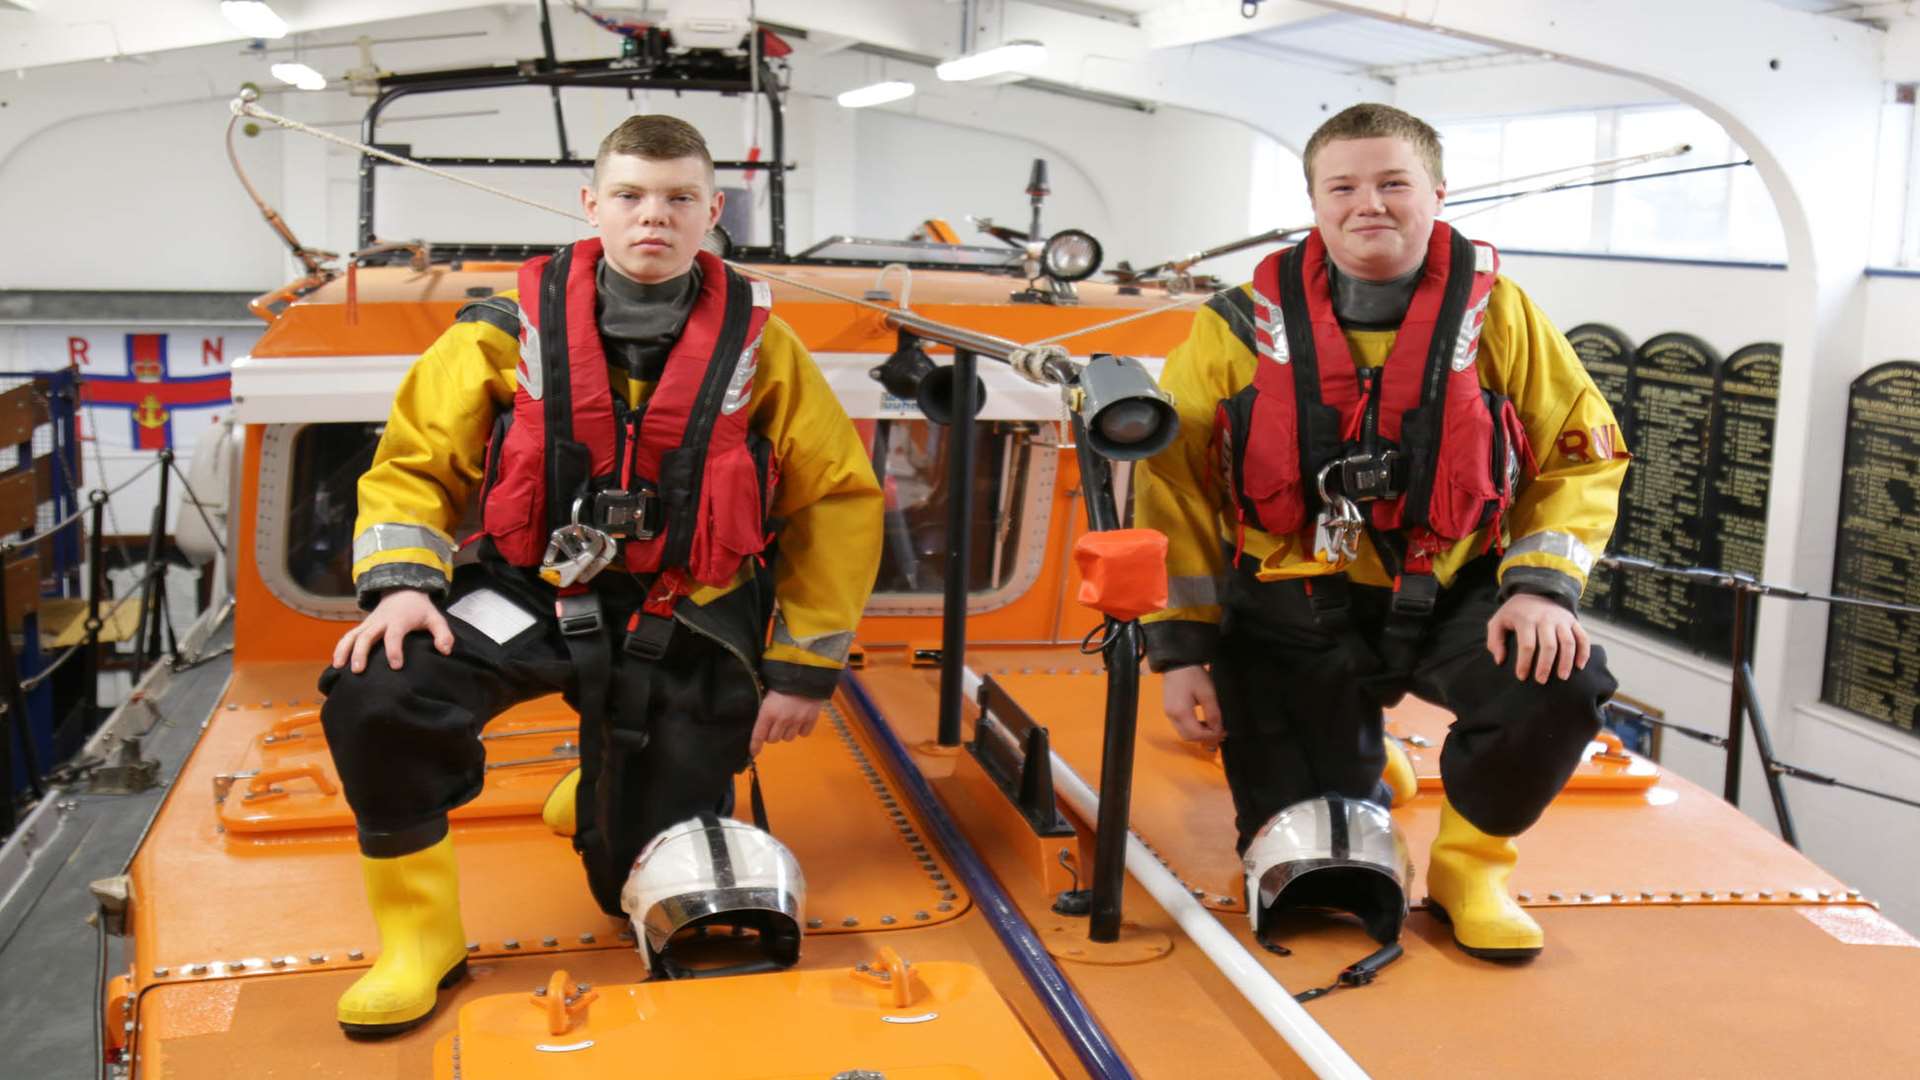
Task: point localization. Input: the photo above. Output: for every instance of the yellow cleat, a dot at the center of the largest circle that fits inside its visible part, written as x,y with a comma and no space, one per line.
416,905
1467,888
562,804
1399,773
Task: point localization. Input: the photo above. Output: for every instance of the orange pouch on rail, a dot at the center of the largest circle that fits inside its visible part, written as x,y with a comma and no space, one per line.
1123,572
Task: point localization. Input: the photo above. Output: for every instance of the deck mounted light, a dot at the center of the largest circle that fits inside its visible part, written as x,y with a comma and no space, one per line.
300,75
1071,255
254,18
877,94
1013,56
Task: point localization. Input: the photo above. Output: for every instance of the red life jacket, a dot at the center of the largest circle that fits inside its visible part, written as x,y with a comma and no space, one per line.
1309,404
689,441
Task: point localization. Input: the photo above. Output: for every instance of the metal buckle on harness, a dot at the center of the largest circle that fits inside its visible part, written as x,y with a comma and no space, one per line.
1415,594
579,613
628,515
1379,475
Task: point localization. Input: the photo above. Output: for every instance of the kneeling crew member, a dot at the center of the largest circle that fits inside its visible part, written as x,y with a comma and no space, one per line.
637,423
1392,474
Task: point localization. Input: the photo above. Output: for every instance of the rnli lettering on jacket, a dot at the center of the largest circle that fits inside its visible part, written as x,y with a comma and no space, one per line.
689,443
1309,406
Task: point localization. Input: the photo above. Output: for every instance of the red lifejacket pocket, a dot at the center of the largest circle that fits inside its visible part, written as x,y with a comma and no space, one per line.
1267,494
510,502
730,525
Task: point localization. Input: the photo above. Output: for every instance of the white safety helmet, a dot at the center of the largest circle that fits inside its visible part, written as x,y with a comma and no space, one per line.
713,871
1331,852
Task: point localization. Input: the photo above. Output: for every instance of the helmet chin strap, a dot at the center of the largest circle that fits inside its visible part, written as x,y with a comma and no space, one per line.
1359,973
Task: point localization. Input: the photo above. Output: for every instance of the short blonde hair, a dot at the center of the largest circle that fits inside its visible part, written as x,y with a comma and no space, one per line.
656,137
1371,120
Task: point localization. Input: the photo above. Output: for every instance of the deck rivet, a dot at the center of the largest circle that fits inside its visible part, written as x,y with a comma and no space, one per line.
1766,894
279,961
1586,896
1618,896
1556,897
316,958
549,941
196,969
587,938
1526,898
626,933
922,916
232,705
949,896
581,988
1646,894
160,972
1679,895
355,954
887,920
539,991
511,943
851,920
945,907
1853,894
1708,894
815,924
266,704
473,946
1826,894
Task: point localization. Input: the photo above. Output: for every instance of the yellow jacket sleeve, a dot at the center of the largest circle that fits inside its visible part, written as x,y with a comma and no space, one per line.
430,459
830,543
1180,490
1562,518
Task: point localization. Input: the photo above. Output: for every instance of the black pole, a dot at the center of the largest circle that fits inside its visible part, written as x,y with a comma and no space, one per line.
777,172
1123,711
553,61
1763,742
146,641
953,620
96,577
1738,701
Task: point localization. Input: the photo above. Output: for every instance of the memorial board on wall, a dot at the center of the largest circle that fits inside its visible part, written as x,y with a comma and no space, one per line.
1742,462
1873,657
1607,354
1663,510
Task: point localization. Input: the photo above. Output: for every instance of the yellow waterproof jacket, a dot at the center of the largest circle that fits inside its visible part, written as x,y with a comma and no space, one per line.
432,458
1555,529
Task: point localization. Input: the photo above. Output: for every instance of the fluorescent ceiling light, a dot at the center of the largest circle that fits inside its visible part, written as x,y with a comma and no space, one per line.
878,94
1012,56
300,75
253,18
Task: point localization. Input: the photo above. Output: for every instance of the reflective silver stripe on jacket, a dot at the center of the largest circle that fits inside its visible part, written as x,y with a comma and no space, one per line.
1558,544
834,646
1271,330
375,539
1192,591
1467,346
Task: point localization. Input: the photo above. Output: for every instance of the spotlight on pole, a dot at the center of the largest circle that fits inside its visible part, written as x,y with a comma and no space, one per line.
1127,417
911,374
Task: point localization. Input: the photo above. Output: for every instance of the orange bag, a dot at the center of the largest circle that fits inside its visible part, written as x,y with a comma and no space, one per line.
1123,572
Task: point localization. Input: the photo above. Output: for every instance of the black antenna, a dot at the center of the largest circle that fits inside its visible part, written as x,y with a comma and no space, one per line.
1038,189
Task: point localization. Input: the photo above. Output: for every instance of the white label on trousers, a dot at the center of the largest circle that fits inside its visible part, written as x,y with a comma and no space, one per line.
492,614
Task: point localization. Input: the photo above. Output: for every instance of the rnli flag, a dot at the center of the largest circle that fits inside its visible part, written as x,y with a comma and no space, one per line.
152,394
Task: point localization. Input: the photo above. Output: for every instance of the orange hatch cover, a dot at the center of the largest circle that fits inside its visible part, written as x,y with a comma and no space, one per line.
932,1021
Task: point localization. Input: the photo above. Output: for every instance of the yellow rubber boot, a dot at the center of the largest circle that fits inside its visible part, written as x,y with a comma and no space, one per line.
1467,887
562,803
1398,774
416,904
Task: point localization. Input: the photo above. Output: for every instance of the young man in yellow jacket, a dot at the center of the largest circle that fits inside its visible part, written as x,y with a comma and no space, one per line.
641,433
1392,474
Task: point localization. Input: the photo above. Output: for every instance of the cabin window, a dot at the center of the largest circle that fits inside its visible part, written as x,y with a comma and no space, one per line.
323,466
1011,489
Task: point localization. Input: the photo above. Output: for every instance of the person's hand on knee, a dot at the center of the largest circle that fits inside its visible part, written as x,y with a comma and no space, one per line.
1186,693
783,717
1548,639
399,613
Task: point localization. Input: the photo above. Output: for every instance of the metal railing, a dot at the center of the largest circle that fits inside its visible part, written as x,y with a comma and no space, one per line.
1743,706
154,633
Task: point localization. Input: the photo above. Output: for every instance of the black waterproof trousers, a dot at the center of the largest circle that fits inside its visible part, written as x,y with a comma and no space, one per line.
406,743
1302,705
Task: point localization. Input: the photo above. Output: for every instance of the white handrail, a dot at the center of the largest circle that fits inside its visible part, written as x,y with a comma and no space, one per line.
1327,1058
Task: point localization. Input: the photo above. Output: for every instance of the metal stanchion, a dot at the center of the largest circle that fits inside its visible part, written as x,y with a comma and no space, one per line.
953,621
96,578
